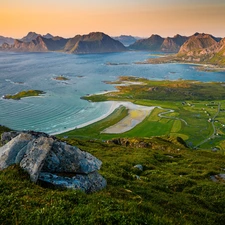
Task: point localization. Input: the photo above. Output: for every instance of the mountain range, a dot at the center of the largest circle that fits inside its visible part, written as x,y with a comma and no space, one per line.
203,48
95,42
199,47
157,43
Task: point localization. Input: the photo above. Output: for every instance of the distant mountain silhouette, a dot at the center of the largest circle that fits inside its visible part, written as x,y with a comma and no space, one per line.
38,44
152,43
199,47
126,39
95,42
48,36
29,37
7,40
157,43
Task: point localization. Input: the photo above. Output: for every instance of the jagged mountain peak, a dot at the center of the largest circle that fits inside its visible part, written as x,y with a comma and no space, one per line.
48,36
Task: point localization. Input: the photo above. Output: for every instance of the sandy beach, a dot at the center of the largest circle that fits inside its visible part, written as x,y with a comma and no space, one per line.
136,114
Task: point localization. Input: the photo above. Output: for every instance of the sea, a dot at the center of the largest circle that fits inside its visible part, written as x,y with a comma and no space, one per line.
61,107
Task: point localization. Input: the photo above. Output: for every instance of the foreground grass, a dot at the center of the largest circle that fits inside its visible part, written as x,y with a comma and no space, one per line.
173,188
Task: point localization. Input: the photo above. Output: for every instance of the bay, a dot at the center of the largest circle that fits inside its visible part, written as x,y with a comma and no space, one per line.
62,108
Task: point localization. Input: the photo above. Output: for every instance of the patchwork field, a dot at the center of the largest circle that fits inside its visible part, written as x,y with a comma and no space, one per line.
191,110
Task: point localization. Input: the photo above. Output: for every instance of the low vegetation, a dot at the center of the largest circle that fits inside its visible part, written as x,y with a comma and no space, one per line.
24,94
173,188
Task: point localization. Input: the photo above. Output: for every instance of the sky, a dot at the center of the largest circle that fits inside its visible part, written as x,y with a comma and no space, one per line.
141,18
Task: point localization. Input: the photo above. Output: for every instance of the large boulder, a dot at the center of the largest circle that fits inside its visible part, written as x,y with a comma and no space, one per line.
44,158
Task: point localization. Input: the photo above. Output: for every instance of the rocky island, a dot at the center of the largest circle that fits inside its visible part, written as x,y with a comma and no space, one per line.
62,78
23,94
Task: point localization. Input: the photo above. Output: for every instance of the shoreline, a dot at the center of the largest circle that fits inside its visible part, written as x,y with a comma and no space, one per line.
113,107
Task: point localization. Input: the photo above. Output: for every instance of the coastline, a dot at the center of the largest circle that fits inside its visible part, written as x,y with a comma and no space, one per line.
113,107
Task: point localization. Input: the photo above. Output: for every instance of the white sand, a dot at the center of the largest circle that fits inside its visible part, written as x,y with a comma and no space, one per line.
127,123
136,115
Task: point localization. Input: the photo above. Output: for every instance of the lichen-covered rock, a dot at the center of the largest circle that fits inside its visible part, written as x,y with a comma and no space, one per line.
89,183
67,158
13,150
43,157
34,158
8,136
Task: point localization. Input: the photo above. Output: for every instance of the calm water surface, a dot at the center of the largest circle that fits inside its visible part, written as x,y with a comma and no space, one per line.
61,108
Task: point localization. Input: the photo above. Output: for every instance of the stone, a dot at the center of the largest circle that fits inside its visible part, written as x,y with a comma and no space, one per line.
8,136
44,158
10,151
34,158
67,158
89,183
218,177
139,166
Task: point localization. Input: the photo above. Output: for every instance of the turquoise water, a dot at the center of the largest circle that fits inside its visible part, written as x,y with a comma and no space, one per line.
61,108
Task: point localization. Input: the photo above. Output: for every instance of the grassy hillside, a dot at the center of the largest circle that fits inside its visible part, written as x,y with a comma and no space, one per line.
173,188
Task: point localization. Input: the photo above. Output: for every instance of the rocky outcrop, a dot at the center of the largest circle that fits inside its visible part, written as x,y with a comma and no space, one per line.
95,42
50,161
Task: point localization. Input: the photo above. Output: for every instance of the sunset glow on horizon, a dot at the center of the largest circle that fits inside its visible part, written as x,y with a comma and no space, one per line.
142,18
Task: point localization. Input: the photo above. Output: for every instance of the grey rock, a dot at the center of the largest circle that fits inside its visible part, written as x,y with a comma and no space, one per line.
139,166
44,158
37,151
8,136
66,158
218,177
10,151
85,182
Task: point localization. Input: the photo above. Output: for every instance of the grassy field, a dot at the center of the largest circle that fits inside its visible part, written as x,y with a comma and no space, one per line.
193,104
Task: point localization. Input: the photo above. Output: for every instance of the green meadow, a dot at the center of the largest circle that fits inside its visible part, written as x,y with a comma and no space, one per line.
194,106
